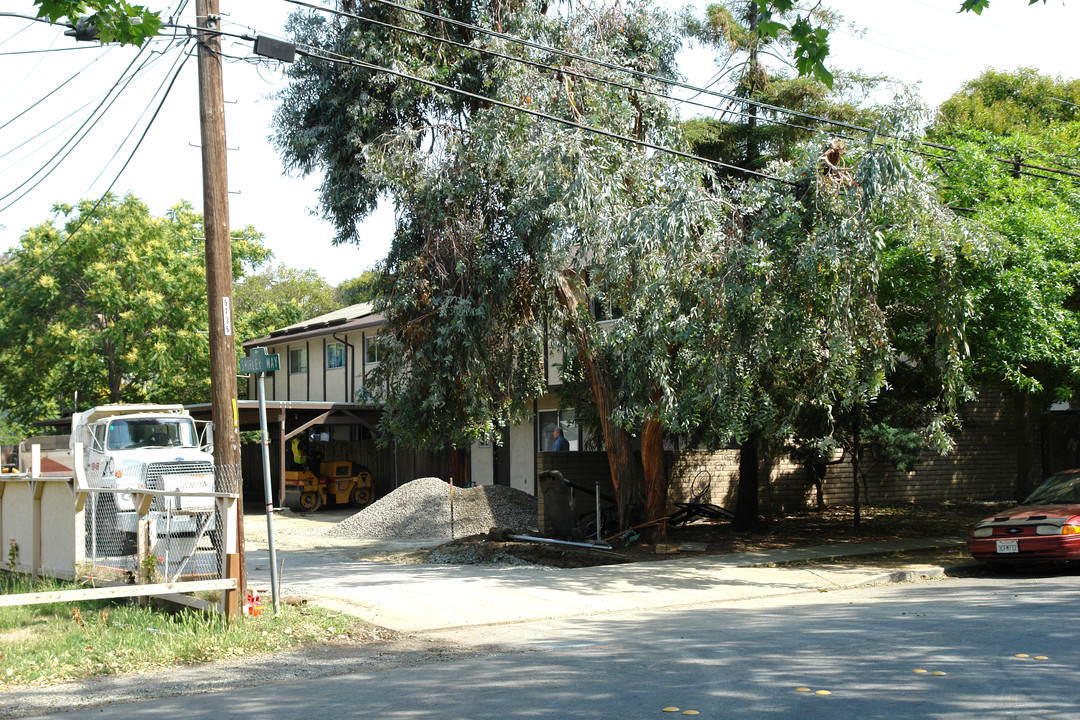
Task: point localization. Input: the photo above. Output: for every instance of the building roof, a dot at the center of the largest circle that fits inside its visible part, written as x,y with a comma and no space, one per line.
353,317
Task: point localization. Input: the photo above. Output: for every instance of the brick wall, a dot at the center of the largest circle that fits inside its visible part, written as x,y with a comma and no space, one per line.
981,467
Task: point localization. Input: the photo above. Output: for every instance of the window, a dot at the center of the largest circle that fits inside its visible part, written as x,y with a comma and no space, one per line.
298,360
548,420
373,350
335,355
603,309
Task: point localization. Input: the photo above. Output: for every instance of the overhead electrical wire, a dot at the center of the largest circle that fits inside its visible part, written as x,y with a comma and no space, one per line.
345,60
56,89
83,217
619,68
173,71
66,149
601,63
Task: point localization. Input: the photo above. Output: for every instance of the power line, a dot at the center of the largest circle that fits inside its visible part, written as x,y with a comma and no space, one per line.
602,63
51,50
178,64
343,60
72,142
83,217
55,89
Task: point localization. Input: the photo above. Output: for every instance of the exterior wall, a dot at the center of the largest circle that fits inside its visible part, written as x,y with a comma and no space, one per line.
318,384
554,360
523,457
983,466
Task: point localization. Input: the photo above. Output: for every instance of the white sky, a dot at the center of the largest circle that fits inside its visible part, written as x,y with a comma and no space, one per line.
922,41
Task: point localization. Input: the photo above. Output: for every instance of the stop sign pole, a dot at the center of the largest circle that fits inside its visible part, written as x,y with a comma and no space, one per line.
260,363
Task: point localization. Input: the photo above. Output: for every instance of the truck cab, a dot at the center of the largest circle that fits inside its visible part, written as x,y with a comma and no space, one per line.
155,447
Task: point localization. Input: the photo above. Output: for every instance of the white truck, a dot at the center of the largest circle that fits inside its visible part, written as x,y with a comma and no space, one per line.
134,447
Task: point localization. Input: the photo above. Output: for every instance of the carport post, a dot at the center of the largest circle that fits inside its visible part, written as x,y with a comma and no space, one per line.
269,492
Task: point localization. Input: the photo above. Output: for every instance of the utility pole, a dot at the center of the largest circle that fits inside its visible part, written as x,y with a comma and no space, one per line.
219,286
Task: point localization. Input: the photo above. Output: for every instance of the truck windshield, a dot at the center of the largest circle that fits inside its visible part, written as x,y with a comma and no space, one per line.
151,432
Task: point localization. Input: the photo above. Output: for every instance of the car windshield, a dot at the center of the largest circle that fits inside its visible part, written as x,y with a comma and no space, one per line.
1057,490
151,432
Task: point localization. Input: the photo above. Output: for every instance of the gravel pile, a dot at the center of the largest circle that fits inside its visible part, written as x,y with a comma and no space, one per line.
421,509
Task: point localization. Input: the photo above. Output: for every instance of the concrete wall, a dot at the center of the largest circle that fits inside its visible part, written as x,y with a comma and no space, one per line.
39,516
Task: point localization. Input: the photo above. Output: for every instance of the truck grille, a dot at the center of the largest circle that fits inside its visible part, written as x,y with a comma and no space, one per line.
193,477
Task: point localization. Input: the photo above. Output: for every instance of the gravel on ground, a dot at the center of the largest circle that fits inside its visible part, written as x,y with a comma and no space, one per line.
422,509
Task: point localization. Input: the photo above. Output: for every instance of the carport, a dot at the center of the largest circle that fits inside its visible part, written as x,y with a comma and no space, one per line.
289,419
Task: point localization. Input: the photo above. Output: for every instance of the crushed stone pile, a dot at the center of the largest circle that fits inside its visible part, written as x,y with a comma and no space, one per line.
421,509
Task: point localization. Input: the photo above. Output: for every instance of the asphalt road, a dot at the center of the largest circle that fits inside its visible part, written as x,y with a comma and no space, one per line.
766,658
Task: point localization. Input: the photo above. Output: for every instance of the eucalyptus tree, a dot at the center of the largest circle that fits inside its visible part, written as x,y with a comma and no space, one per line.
506,221
108,307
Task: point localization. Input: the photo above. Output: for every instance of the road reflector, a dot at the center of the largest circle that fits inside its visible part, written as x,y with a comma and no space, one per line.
1041,657
918,670
1022,655
691,712
937,672
822,692
802,689
670,709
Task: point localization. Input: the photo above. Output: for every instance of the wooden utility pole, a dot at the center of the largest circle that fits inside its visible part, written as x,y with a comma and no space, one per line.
219,275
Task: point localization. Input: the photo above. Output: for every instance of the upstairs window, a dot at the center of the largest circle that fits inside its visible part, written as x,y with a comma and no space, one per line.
298,361
373,350
335,355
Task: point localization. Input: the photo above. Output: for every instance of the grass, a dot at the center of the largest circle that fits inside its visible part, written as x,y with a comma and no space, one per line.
46,644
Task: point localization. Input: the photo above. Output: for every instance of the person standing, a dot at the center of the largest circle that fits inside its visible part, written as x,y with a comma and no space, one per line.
561,443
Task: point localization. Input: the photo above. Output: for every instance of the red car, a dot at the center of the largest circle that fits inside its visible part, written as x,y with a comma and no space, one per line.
1045,528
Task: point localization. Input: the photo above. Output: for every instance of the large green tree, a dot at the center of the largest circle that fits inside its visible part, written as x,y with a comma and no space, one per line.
1015,134
505,222
278,296
111,307
738,309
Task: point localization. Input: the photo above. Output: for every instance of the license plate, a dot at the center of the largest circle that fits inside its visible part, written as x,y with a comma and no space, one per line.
1007,546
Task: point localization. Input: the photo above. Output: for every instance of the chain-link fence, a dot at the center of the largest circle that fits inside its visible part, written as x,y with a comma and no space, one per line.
163,520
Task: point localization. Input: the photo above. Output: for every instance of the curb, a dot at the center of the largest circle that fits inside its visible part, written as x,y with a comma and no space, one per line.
928,573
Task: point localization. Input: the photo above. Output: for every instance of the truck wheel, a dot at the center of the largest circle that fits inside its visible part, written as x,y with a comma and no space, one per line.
309,501
360,496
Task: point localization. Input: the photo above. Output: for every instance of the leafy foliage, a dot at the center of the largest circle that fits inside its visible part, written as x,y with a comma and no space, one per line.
279,296
359,289
111,307
1025,331
116,20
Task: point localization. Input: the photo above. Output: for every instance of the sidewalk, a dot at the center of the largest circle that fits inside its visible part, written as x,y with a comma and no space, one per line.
412,598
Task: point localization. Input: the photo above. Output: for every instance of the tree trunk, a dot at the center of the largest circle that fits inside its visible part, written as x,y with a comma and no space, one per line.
625,473
746,507
656,481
